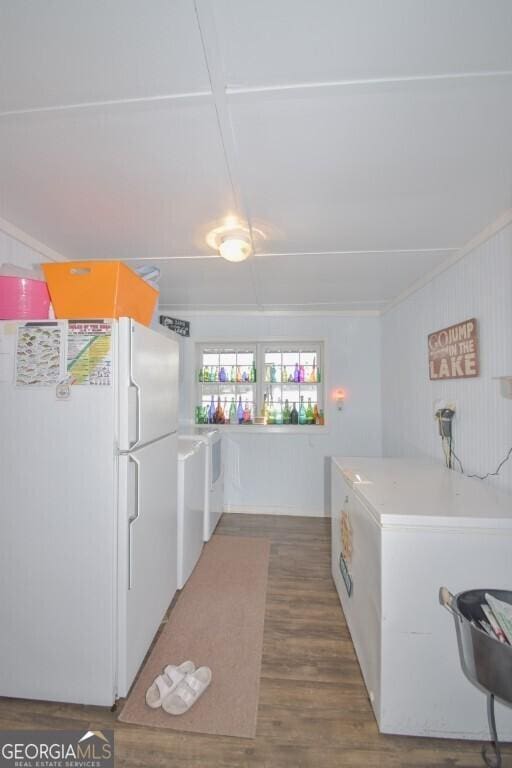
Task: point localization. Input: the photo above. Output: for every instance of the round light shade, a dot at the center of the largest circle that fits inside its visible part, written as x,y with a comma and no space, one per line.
234,248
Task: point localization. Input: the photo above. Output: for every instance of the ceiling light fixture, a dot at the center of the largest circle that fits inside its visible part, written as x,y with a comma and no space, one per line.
235,247
233,240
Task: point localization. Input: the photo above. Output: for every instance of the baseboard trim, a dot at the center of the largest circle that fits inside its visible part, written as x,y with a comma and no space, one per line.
286,511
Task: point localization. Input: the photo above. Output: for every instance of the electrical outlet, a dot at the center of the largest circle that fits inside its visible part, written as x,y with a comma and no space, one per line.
443,404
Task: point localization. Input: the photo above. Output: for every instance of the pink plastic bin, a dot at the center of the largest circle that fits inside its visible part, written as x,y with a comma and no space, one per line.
23,299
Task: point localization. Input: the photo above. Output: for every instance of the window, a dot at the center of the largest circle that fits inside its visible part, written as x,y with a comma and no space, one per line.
274,383
227,381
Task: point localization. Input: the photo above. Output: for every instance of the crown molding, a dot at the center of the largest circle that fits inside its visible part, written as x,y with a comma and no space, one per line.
191,313
22,237
503,221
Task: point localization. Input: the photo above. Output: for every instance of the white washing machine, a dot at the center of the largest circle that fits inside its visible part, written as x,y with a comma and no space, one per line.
192,455
213,477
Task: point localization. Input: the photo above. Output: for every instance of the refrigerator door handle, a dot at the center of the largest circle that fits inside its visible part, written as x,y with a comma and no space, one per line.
133,519
138,409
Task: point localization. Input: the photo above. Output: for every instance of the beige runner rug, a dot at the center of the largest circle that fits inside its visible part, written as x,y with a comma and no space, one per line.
216,622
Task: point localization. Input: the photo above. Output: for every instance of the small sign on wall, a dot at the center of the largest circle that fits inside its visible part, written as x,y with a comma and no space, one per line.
181,327
453,352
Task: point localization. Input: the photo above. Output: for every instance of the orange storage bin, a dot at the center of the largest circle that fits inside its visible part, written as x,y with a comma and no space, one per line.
99,289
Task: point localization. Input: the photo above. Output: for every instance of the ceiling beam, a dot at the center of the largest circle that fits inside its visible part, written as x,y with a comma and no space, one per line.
259,254
168,97
222,94
384,81
210,41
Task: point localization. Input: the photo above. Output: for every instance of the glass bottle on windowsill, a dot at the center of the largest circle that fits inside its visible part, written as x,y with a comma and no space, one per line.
219,413
232,412
302,411
271,417
264,410
310,419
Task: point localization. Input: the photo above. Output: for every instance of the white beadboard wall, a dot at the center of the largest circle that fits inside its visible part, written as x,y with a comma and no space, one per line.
14,252
286,473
479,285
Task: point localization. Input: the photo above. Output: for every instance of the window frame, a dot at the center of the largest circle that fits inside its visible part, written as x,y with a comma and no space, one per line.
259,348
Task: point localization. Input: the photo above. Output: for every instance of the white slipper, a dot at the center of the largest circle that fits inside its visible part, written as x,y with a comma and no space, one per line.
187,691
166,683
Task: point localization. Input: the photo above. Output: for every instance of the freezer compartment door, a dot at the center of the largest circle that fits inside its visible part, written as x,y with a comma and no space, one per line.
147,550
148,384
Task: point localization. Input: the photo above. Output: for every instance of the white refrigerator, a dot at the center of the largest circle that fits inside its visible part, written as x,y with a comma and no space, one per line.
88,527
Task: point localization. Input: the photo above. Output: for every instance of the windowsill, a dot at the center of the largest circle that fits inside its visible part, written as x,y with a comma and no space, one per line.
274,429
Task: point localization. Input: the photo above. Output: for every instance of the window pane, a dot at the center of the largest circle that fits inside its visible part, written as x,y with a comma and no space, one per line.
227,359
227,390
291,394
245,392
309,393
273,390
290,358
307,358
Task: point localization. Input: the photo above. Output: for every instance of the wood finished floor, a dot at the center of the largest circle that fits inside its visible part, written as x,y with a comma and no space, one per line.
313,708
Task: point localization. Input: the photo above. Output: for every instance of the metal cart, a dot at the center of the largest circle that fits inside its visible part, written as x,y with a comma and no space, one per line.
485,661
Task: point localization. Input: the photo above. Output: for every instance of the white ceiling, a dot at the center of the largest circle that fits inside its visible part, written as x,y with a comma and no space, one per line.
367,141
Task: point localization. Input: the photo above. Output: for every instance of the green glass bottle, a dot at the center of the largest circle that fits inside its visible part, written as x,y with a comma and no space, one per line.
200,375
302,411
310,419
286,413
294,415
253,373
206,375
232,412
271,417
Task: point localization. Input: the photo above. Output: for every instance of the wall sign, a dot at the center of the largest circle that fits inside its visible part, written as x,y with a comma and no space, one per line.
453,352
181,327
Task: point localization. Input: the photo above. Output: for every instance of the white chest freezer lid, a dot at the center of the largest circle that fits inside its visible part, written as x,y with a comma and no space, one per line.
415,492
